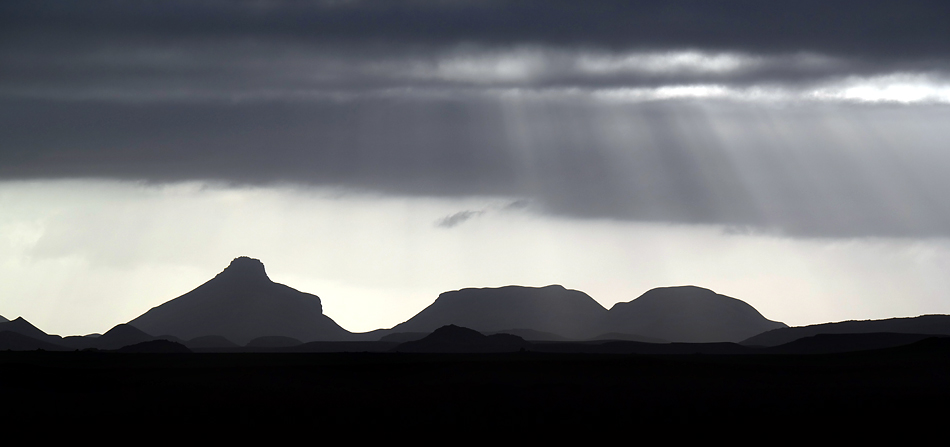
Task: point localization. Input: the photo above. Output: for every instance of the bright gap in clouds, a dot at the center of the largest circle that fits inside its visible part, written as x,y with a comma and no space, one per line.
81,256
897,88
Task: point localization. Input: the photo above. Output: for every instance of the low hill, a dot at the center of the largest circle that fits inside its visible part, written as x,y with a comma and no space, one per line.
838,343
924,324
458,340
15,341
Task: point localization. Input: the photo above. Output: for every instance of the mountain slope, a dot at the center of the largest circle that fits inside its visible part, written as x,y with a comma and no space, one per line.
242,303
15,341
924,324
23,327
688,314
552,309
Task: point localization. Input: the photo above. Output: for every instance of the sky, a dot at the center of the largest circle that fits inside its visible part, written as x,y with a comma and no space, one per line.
791,154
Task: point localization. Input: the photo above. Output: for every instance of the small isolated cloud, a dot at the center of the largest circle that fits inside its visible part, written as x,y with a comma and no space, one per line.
457,218
462,216
516,205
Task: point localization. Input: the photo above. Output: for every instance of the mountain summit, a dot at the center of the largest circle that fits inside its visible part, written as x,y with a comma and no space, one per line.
245,269
552,309
678,314
688,314
241,303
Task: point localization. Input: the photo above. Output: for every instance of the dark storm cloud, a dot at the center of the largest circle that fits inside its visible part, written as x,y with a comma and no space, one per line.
890,28
834,170
459,98
190,49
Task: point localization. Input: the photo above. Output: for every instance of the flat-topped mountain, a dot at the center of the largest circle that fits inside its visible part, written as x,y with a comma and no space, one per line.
924,324
688,314
241,304
676,314
551,309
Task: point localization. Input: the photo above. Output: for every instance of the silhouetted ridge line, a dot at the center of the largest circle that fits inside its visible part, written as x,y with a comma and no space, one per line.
244,269
837,343
156,347
15,341
3,320
120,336
553,309
456,339
924,324
23,327
241,303
669,314
688,314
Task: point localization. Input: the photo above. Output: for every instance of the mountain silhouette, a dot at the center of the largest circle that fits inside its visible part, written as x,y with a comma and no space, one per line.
23,327
668,314
924,324
458,340
15,341
688,314
837,343
120,336
552,309
241,304
3,320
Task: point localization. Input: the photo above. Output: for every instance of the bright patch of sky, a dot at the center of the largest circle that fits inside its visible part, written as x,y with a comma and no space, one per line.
81,256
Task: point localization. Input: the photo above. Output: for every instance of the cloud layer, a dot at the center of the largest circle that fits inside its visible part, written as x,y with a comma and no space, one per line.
804,118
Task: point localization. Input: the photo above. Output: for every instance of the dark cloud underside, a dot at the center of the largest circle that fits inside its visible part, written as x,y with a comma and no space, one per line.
836,171
891,28
502,98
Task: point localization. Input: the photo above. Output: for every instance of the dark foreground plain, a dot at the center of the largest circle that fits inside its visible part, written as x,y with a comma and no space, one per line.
897,387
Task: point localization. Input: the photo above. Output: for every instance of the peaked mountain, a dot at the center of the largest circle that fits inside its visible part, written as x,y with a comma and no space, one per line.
551,309
241,304
23,327
688,314
924,324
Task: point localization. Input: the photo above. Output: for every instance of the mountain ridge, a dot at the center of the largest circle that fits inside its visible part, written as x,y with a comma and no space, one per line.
933,324
241,303
688,314
552,309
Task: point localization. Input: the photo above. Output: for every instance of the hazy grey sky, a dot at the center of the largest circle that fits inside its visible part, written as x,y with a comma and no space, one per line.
790,154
